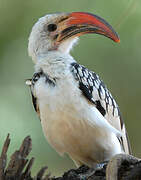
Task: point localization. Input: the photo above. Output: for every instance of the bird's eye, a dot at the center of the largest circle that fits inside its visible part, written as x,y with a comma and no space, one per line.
52,27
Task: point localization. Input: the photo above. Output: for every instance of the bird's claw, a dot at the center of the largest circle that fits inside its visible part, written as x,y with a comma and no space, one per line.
100,166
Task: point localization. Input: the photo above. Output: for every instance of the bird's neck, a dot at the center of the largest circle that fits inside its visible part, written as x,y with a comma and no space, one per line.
40,47
55,64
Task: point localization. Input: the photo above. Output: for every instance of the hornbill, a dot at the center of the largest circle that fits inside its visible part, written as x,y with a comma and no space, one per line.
78,114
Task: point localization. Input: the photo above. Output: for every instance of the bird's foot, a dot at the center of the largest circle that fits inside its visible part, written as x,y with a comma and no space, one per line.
100,166
97,168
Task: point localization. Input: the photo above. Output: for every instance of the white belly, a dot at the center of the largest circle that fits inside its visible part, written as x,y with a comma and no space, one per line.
74,126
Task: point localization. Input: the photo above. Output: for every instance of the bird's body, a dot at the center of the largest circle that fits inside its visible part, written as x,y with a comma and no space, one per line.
78,114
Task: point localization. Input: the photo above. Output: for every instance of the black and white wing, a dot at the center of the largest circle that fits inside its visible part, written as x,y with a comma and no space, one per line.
97,93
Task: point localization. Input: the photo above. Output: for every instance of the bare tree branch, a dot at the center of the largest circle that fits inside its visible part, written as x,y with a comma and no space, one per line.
120,167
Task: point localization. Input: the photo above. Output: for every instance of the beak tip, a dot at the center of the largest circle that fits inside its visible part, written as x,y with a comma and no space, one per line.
118,41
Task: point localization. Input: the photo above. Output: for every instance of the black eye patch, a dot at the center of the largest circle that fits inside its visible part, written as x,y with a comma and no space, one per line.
51,27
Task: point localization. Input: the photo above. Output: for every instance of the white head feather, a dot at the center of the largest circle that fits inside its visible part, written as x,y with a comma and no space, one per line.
41,41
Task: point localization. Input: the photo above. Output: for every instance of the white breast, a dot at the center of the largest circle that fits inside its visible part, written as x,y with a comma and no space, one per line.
73,125
70,123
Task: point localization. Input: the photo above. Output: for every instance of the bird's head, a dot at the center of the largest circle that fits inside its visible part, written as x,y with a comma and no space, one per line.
58,32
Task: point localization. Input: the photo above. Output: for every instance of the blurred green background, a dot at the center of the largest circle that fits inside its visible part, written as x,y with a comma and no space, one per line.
119,65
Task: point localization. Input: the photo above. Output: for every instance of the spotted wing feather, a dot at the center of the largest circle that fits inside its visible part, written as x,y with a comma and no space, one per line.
96,92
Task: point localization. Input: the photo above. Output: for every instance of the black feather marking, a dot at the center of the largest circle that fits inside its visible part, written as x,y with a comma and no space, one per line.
40,74
74,65
86,92
121,142
34,101
106,106
35,104
36,77
91,89
100,108
121,121
49,81
99,92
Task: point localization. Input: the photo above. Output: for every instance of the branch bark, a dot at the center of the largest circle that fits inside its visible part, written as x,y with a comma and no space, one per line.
120,167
